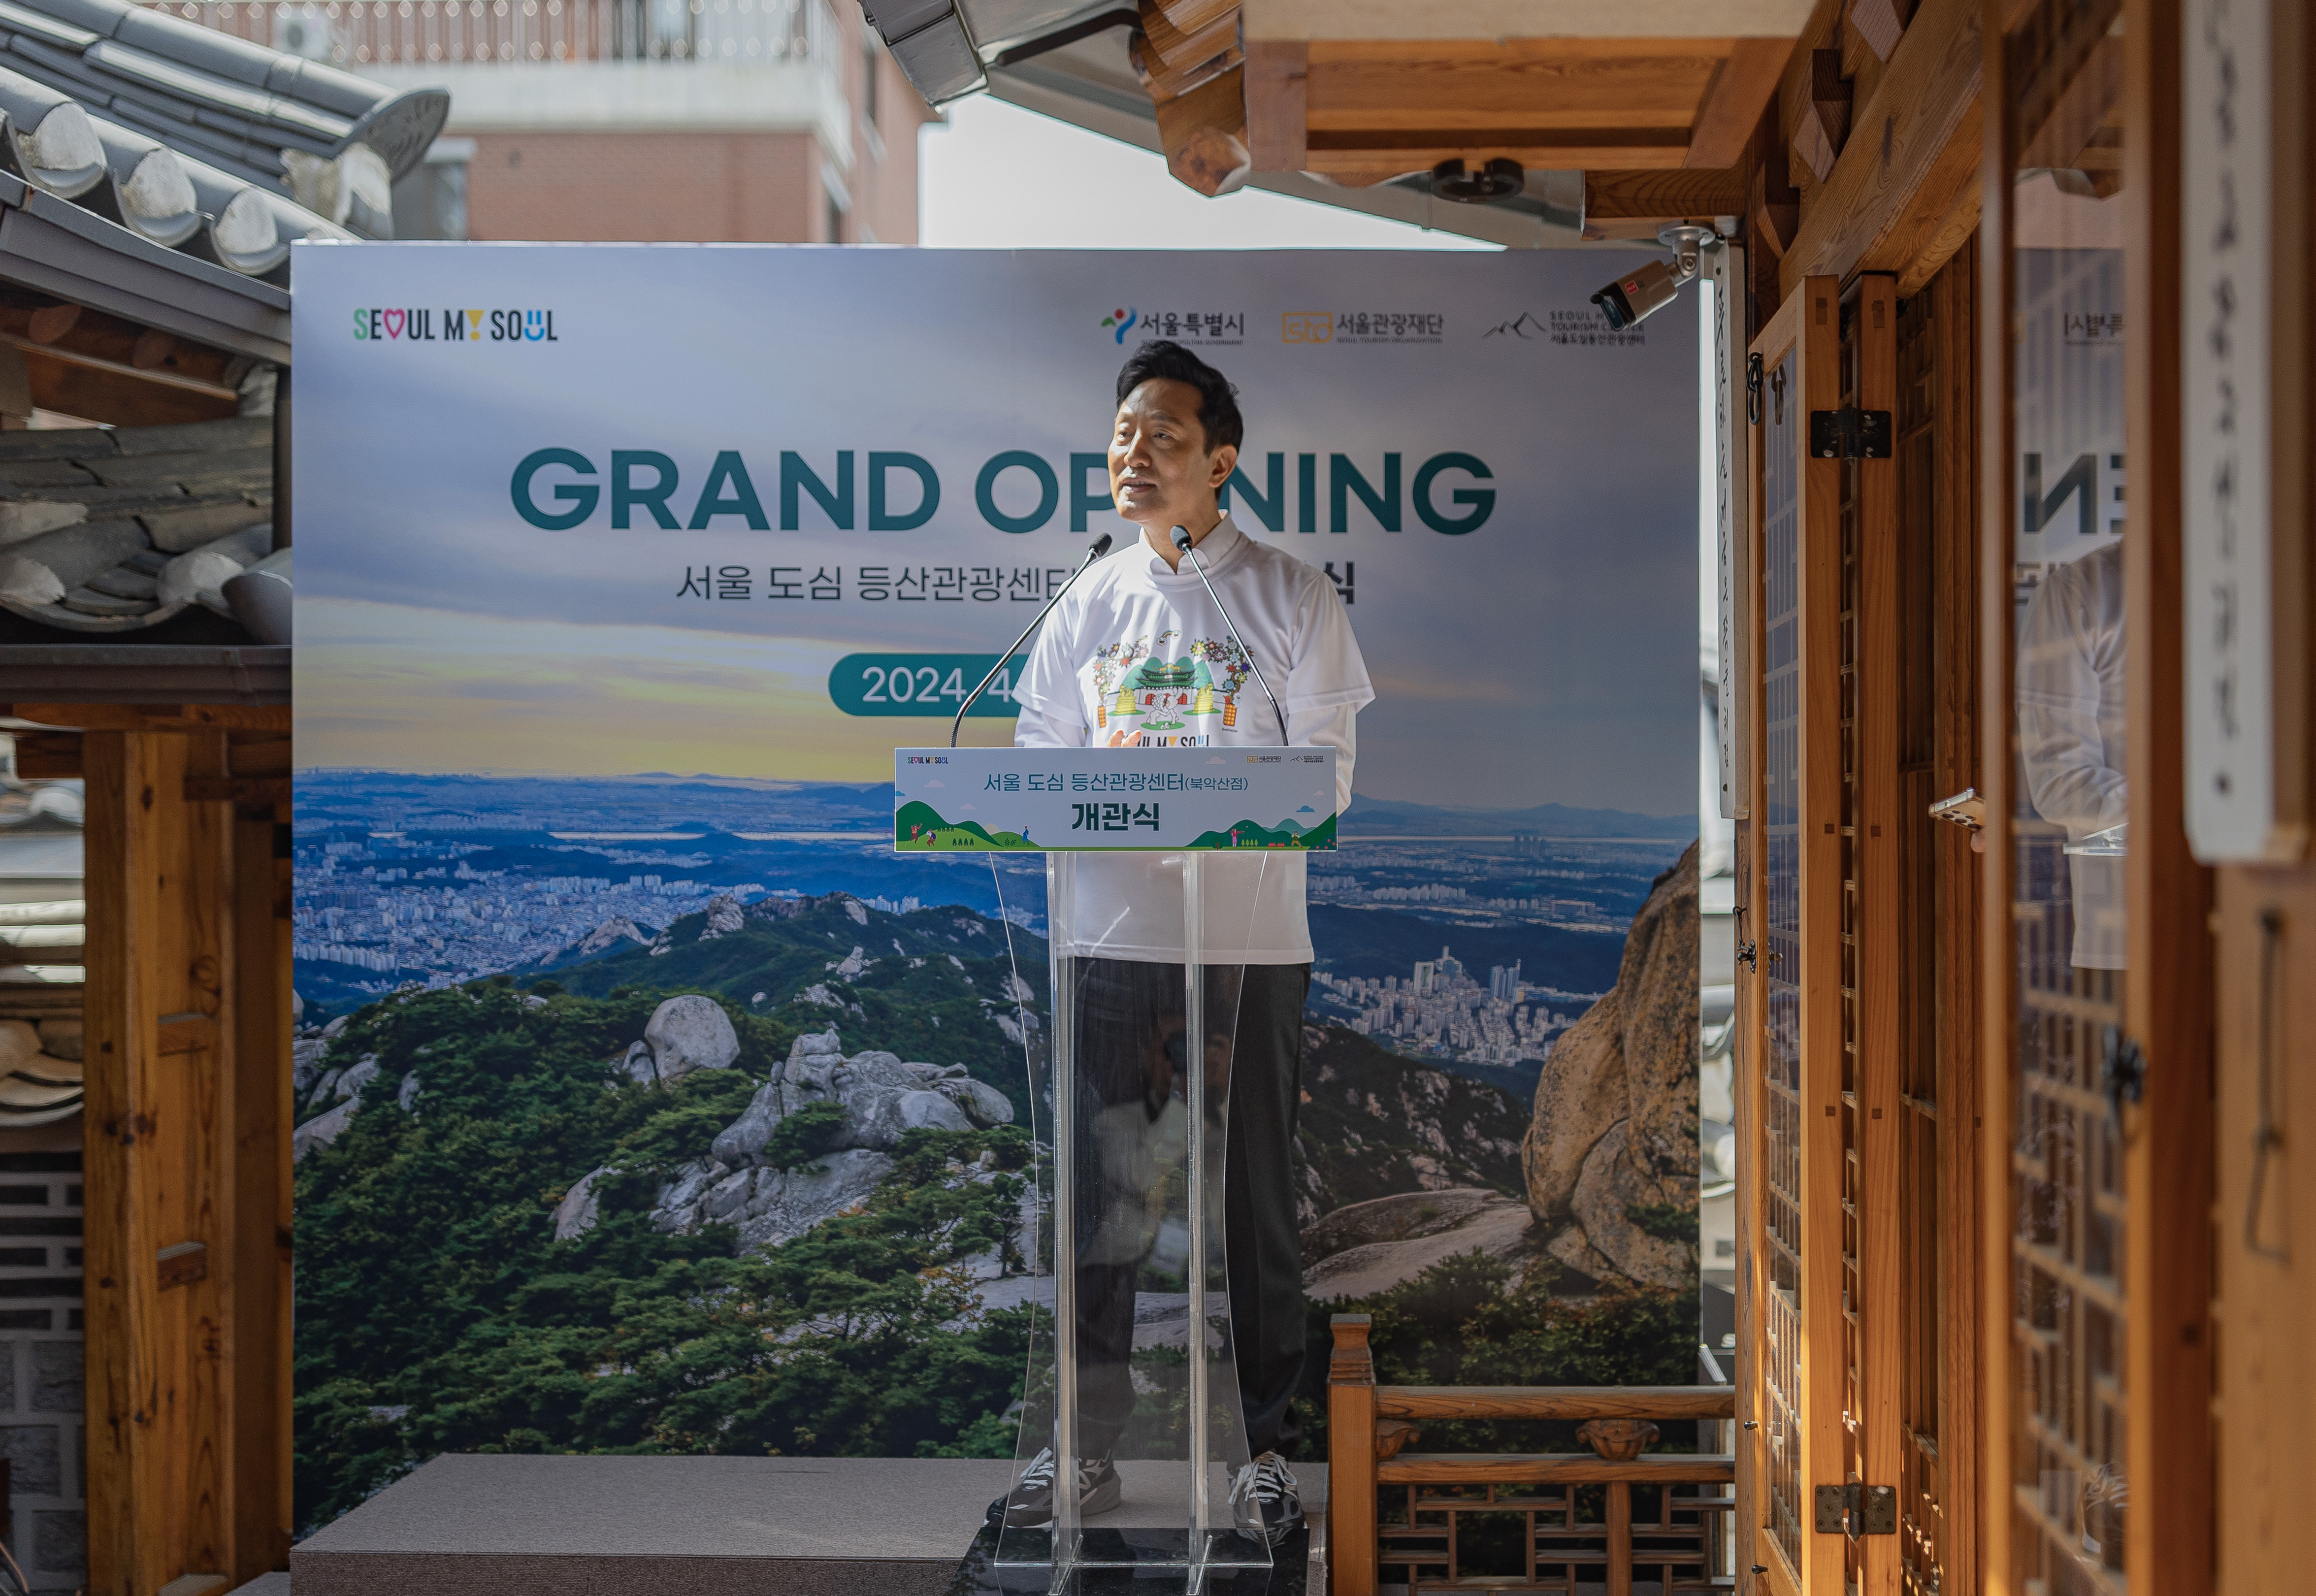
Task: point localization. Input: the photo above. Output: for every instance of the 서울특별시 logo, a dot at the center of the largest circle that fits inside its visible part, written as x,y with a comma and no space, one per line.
1196,327
427,325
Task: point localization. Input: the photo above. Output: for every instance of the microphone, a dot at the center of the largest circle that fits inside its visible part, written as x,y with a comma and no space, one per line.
1188,545
1100,547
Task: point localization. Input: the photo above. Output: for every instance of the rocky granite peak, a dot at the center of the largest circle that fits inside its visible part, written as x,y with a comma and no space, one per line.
724,917
1611,1157
881,1097
613,931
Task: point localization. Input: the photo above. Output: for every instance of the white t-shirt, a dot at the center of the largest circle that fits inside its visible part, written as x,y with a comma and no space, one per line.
2071,734
1137,656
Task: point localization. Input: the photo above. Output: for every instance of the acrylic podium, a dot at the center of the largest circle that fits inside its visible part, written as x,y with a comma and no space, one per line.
1165,855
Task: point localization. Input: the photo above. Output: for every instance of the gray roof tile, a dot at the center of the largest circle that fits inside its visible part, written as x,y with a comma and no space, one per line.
147,496
239,116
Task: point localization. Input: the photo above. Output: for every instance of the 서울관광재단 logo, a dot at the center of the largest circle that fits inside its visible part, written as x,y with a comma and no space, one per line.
1362,327
428,324
1307,327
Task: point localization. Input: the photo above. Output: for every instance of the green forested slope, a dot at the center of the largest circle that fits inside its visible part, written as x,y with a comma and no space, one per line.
436,1311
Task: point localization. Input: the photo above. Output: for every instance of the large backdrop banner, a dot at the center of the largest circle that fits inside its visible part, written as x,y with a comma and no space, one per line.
622,570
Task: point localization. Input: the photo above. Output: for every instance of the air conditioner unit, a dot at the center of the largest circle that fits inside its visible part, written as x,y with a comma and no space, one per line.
302,30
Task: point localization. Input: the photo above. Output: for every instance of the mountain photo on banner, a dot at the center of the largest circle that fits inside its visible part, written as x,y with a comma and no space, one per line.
649,1100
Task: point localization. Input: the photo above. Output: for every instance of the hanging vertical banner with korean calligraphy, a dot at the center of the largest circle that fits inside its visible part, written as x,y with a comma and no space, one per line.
2224,416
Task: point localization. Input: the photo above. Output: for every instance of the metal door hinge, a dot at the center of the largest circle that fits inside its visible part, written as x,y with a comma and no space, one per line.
1753,388
2123,1072
1849,433
1749,956
1857,1510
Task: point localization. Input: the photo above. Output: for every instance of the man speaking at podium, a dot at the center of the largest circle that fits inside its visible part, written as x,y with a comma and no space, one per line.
1105,672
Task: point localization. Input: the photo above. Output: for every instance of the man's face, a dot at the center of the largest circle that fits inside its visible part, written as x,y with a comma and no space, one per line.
1159,472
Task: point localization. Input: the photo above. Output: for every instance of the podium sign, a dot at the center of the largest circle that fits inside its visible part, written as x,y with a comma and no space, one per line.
1082,800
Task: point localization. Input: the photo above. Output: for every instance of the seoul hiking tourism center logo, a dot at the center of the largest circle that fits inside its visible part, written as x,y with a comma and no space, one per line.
425,325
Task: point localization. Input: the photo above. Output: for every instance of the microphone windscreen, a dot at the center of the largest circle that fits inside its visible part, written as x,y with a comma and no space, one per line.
1182,538
1102,546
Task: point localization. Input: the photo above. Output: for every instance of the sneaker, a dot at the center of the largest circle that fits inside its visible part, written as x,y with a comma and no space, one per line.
1030,1505
1270,1486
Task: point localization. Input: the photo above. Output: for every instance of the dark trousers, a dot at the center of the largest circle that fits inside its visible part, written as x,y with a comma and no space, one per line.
1131,1051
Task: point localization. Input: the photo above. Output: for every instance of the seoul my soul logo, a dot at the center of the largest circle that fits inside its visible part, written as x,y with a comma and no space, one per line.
426,325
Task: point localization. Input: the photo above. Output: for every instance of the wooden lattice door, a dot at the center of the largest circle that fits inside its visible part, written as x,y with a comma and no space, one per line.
1851,1038
1788,1082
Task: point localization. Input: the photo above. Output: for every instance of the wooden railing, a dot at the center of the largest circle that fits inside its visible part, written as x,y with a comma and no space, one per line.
1554,1493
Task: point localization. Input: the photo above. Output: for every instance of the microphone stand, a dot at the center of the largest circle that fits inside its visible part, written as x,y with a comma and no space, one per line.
1188,545
1100,548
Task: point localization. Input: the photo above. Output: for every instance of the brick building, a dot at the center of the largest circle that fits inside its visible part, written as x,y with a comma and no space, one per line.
655,120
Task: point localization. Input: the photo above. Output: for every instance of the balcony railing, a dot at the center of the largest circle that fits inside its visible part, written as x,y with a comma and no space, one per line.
1579,1527
358,33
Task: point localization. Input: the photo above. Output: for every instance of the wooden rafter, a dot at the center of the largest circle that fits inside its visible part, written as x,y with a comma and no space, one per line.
1359,93
104,368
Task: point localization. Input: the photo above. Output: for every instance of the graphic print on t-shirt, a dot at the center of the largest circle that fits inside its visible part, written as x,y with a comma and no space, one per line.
1166,691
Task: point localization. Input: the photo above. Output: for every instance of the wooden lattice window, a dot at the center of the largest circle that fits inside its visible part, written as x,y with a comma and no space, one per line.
2068,836
1786,1511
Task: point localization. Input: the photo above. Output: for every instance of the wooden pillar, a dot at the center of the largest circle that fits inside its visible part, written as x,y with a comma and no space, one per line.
186,1314
1351,1460
1998,997
261,1245
1880,829
1960,918
2265,1215
2169,1155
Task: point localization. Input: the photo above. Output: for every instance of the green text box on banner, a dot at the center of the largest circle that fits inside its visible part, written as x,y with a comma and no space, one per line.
921,684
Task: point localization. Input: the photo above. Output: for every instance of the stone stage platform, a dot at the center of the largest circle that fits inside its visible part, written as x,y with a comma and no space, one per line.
594,1525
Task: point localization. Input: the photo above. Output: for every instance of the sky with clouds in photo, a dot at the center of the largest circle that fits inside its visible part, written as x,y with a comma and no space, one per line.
1548,656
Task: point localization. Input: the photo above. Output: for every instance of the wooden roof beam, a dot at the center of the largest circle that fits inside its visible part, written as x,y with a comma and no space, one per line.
1355,90
1905,182
1278,104
1315,20
1537,149
1733,105
1660,196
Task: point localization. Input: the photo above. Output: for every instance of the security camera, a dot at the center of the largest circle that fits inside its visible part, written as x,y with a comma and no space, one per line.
1636,296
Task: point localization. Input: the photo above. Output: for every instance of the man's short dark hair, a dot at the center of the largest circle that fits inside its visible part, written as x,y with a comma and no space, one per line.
1162,358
